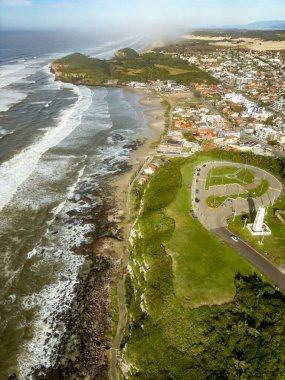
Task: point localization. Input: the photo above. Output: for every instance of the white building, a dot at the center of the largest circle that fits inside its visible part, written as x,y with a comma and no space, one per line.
266,133
279,105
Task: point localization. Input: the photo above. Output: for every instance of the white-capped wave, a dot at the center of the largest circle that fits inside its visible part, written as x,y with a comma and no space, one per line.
4,132
15,72
9,98
51,301
15,171
56,298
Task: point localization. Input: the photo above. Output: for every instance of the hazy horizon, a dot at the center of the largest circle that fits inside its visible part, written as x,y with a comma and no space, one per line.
156,16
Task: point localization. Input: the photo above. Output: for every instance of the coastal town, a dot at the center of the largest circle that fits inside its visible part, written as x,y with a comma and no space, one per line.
180,200
142,196
244,111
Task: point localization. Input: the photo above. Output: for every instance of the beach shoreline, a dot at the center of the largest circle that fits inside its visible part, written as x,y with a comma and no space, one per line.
122,185
86,347
154,122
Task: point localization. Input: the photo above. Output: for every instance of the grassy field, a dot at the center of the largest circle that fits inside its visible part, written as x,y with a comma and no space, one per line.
229,174
171,260
213,201
172,70
204,267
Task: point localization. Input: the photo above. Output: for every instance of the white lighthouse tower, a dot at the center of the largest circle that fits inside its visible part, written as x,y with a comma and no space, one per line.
259,227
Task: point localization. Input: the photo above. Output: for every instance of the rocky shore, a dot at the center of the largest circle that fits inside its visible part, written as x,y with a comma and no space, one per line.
85,349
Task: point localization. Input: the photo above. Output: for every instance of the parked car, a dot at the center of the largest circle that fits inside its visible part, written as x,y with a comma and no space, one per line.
234,237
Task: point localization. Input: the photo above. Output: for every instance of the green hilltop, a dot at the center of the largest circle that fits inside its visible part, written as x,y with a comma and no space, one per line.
127,66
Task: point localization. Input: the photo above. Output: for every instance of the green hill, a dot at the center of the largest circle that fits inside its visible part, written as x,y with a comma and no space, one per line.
125,67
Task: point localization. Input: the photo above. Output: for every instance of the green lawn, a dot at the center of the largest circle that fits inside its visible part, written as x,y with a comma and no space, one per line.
204,267
213,201
223,175
166,338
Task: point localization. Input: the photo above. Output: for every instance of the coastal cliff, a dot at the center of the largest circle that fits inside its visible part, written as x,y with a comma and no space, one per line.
80,69
60,74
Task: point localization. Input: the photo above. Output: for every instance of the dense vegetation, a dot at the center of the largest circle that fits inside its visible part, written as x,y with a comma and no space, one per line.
168,338
128,66
274,166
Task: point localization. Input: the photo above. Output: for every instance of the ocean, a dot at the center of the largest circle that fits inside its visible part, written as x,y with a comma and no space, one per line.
58,143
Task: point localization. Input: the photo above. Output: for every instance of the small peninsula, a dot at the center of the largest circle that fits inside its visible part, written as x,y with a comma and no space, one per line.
126,66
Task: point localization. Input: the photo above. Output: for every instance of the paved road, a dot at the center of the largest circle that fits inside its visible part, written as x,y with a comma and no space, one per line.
277,152
257,259
215,219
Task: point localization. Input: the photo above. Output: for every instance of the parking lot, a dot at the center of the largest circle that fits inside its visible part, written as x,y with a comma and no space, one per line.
213,218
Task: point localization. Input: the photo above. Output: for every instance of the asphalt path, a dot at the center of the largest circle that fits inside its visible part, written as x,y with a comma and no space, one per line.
256,258
215,219
277,152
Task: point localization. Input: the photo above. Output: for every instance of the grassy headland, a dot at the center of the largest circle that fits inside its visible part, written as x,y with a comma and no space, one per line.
192,314
125,67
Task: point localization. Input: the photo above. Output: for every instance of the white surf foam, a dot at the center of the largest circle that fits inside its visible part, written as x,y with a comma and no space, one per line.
53,299
9,98
17,72
15,171
4,132
56,298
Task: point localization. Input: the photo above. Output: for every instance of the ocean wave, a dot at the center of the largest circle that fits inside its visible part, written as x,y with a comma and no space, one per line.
15,171
54,299
17,72
50,301
4,132
10,98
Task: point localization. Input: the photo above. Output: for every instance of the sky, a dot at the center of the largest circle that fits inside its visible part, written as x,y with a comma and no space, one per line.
135,15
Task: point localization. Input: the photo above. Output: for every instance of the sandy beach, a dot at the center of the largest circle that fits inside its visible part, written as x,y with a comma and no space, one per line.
155,126
245,42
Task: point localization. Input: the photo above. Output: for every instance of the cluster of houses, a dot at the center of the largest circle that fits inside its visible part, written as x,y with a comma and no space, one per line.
160,86
224,122
252,90
260,75
176,144
249,101
149,170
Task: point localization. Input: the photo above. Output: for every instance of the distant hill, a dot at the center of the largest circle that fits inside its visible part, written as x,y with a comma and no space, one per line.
263,25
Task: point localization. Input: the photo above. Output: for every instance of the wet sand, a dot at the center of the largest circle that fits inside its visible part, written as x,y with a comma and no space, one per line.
155,127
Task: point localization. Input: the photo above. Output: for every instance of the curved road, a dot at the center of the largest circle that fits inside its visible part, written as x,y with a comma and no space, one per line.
215,220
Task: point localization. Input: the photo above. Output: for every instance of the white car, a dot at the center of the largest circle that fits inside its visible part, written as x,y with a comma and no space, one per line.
234,237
